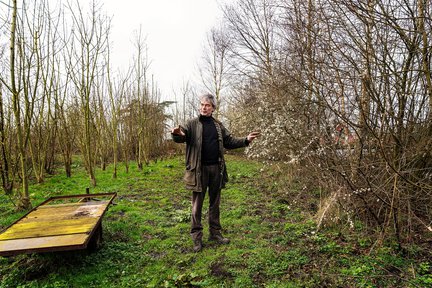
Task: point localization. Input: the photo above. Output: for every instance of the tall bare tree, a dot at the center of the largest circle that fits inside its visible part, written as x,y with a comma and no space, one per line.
15,88
44,125
141,94
88,44
6,171
423,27
214,72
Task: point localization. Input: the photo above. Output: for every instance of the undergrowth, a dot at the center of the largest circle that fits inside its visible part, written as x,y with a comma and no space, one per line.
274,239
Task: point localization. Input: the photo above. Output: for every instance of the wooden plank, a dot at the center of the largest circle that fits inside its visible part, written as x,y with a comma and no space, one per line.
89,203
81,196
52,228
65,212
15,246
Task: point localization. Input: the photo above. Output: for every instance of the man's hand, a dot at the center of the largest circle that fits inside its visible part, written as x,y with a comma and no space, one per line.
252,136
177,131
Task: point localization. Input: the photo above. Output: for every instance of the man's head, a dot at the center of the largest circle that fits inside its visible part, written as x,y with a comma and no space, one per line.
207,105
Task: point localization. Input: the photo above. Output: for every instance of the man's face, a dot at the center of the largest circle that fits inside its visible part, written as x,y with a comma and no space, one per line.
206,108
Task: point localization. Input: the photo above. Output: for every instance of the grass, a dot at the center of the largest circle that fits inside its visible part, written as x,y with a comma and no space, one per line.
274,242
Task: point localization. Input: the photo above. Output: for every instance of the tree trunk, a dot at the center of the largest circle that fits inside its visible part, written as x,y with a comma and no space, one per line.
7,183
426,58
25,199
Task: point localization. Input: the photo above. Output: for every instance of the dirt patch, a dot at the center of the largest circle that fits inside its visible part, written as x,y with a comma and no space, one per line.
218,270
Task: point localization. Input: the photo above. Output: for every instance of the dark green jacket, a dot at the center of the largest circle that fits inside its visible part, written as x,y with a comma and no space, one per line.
193,137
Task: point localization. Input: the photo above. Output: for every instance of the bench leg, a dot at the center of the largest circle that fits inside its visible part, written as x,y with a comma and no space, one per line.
96,240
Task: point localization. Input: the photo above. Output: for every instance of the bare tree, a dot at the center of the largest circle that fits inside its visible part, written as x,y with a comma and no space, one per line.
423,27
142,94
250,24
21,121
89,42
68,117
187,106
6,171
102,116
44,125
214,72
116,92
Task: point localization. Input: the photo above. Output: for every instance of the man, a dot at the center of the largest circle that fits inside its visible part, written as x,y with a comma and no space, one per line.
206,139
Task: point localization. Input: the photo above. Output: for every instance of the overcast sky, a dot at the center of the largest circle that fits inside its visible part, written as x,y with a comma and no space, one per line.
175,31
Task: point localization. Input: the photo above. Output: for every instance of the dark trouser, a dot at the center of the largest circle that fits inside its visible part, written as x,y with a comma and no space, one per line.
211,179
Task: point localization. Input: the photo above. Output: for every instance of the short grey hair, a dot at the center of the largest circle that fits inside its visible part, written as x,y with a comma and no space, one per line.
210,98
